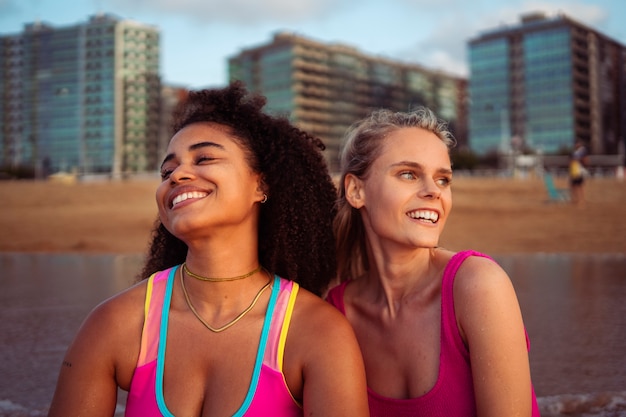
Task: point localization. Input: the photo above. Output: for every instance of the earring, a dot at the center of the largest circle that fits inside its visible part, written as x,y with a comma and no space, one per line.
264,199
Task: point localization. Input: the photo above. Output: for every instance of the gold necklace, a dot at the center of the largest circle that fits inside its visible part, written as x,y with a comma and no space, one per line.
210,279
229,324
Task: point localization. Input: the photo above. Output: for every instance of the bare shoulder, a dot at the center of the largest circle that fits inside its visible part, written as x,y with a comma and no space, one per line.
112,331
480,275
121,309
313,313
321,352
491,325
101,357
317,328
484,297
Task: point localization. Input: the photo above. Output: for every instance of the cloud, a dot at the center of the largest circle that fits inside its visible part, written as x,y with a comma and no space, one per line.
589,14
444,47
238,12
9,6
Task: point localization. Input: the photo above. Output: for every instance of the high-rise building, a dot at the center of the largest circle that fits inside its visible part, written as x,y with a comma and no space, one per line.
171,96
546,83
324,88
81,98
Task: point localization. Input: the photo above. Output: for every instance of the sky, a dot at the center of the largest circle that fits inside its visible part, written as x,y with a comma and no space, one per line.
198,36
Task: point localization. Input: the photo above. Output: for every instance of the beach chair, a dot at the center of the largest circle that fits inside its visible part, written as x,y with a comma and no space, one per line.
555,194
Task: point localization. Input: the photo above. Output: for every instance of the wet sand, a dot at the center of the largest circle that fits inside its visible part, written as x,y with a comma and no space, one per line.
492,215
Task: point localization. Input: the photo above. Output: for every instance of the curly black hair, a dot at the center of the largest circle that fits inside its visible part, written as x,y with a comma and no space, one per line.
295,235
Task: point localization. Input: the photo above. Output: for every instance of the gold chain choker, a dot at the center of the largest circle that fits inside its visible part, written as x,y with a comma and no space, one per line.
211,279
230,323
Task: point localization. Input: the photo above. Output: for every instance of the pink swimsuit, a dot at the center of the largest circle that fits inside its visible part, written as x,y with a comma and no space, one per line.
453,393
268,393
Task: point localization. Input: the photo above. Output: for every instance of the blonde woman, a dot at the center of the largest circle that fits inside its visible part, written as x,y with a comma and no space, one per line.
441,332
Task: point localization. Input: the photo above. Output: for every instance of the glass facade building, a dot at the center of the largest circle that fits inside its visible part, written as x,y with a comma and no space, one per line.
83,98
324,88
544,84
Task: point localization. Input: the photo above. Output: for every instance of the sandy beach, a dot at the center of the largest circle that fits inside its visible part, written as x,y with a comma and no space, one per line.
492,215
570,315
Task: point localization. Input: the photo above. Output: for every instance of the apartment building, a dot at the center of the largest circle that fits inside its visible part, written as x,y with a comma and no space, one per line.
545,83
82,98
324,88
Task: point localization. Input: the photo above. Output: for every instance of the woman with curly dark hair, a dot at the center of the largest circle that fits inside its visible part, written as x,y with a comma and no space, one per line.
227,321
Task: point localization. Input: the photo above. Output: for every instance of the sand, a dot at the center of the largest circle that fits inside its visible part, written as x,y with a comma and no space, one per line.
492,215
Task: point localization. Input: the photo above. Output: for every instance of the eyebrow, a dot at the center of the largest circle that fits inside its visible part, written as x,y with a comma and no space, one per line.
415,165
194,147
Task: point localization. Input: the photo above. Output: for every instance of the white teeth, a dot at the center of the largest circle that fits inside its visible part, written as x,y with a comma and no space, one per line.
424,215
185,196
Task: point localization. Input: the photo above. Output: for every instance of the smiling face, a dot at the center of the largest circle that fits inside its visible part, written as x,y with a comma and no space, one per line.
208,184
405,198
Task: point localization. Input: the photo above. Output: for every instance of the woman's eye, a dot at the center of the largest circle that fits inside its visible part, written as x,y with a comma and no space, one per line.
165,173
204,159
444,181
407,175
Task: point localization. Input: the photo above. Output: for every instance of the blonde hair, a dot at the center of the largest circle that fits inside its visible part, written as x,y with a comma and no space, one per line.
361,147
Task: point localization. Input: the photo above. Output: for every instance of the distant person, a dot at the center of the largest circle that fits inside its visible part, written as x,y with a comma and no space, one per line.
441,332
577,172
227,322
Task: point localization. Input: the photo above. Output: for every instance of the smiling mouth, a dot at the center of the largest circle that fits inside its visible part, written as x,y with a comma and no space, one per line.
425,215
186,196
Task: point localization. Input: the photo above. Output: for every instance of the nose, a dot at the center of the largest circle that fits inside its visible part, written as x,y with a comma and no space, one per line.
429,189
181,173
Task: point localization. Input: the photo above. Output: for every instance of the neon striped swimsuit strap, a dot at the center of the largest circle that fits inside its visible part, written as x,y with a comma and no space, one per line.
285,325
261,350
163,342
146,335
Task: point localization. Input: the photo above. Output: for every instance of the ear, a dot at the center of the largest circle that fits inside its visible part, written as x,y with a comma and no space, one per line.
354,191
261,191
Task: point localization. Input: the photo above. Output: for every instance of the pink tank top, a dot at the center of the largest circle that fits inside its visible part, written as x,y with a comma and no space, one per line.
453,393
268,393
